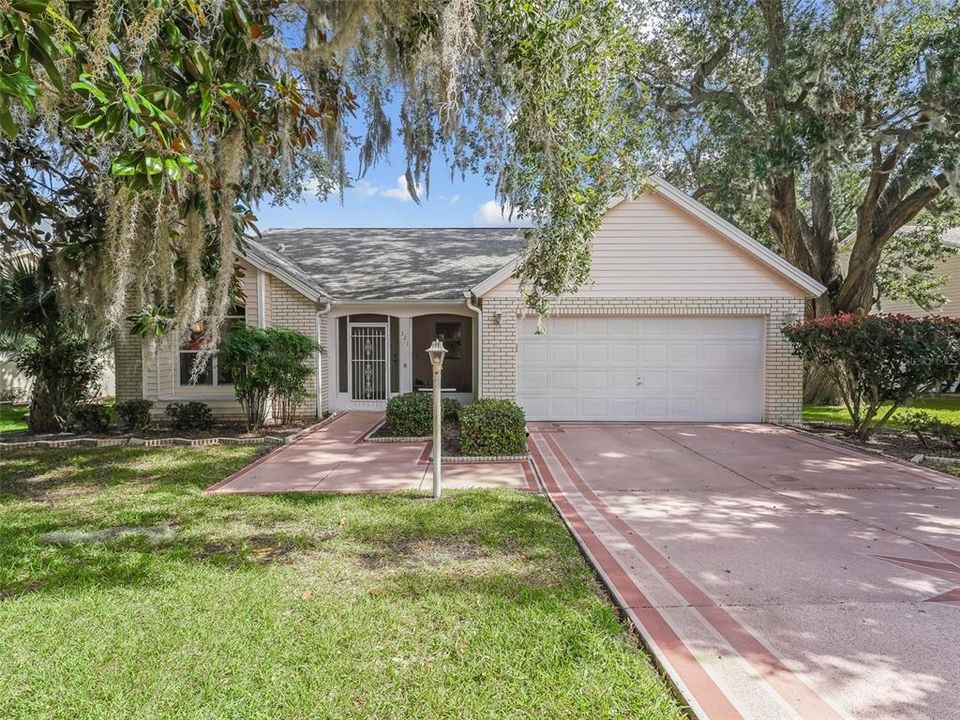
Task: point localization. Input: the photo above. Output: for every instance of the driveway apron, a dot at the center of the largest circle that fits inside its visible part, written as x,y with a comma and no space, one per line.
773,575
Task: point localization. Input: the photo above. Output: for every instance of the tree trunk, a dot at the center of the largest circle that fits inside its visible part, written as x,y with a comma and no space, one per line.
45,414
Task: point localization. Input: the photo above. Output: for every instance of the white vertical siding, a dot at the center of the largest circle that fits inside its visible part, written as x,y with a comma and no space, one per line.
649,247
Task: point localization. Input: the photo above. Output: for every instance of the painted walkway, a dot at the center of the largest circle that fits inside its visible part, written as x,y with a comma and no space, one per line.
334,459
775,575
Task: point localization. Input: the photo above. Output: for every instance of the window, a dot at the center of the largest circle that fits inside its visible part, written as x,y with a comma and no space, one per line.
213,375
449,332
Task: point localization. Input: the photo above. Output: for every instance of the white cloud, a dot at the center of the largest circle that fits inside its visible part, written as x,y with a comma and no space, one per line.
399,191
454,200
490,214
367,189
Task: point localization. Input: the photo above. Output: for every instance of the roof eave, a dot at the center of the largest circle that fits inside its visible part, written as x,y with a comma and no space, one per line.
261,262
491,281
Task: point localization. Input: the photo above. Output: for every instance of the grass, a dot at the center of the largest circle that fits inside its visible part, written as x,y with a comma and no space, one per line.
945,407
951,467
13,417
295,606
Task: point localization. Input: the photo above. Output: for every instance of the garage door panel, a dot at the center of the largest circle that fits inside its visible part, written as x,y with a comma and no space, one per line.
533,352
592,379
623,409
652,408
563,353
682,408
592,352
655,381
623,380
689,368
621,327
594,408
681,382
623,353
683,353
653,353
560,327
532,380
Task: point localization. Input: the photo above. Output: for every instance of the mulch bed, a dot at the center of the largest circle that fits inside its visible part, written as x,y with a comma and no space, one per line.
899,443
450,437
218,430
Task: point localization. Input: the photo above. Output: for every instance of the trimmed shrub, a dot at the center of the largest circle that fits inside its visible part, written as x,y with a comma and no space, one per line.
925,425
878,359
493,427
91,417
190,416
410,415
268,363
135,414
450,409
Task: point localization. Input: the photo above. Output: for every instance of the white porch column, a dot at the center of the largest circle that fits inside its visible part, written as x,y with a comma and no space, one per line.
406,354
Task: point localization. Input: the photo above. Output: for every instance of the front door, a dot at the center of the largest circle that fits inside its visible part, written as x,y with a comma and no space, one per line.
368,353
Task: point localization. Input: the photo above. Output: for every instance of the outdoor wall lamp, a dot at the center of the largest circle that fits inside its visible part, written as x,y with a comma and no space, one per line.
497,318
437,352
791,317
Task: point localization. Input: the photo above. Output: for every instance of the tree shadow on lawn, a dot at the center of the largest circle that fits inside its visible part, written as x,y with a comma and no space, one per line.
503,540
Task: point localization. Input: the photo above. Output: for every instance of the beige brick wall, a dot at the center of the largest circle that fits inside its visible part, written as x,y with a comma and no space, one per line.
288,308
128,362
783,385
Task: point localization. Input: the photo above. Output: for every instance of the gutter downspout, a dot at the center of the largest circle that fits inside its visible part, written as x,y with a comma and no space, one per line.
319,394
468,298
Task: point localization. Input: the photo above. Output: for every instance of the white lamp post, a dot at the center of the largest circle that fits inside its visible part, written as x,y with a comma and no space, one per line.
436,352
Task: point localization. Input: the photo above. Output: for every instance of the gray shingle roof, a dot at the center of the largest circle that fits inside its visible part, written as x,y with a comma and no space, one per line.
395,263
287,270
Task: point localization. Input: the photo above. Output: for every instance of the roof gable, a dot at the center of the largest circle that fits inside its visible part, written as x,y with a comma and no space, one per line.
665,243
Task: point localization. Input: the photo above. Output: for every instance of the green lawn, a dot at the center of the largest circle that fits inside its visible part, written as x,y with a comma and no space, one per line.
945,407
13,417
951,467
479,606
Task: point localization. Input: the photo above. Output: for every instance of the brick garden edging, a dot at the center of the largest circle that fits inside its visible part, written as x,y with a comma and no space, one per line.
484,458
368,436
89,442
911,462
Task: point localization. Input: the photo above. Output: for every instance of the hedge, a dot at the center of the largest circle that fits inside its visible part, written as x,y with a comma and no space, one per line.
493,427
410,415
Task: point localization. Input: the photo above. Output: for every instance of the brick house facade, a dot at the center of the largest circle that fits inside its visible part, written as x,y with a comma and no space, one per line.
681,320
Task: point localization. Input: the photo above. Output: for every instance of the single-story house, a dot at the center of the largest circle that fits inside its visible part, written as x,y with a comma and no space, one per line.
680,322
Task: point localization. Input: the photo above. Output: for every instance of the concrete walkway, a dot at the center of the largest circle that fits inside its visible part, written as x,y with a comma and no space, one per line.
774,575
334,459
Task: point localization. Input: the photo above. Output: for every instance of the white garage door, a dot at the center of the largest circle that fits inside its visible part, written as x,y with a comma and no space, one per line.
642,368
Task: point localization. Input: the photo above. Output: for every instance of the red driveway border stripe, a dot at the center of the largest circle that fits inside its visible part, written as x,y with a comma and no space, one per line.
791,688
660,634
531,477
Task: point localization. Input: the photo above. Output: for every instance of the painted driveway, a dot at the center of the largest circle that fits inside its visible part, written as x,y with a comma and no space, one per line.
774,575
335,459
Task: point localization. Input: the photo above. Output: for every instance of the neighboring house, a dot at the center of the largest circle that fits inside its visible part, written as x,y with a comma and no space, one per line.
14,385
681,321
950,289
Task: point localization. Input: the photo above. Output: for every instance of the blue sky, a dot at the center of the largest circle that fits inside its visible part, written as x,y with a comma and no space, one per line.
380,199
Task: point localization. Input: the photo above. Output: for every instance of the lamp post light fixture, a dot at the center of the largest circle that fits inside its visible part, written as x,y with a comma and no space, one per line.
436,352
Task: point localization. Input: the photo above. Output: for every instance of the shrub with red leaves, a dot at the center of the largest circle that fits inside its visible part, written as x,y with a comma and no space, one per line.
878,359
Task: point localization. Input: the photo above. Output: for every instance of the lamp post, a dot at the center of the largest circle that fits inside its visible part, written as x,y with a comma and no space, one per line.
436,352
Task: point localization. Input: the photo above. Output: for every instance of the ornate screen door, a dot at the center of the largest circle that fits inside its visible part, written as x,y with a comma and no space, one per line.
368,353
